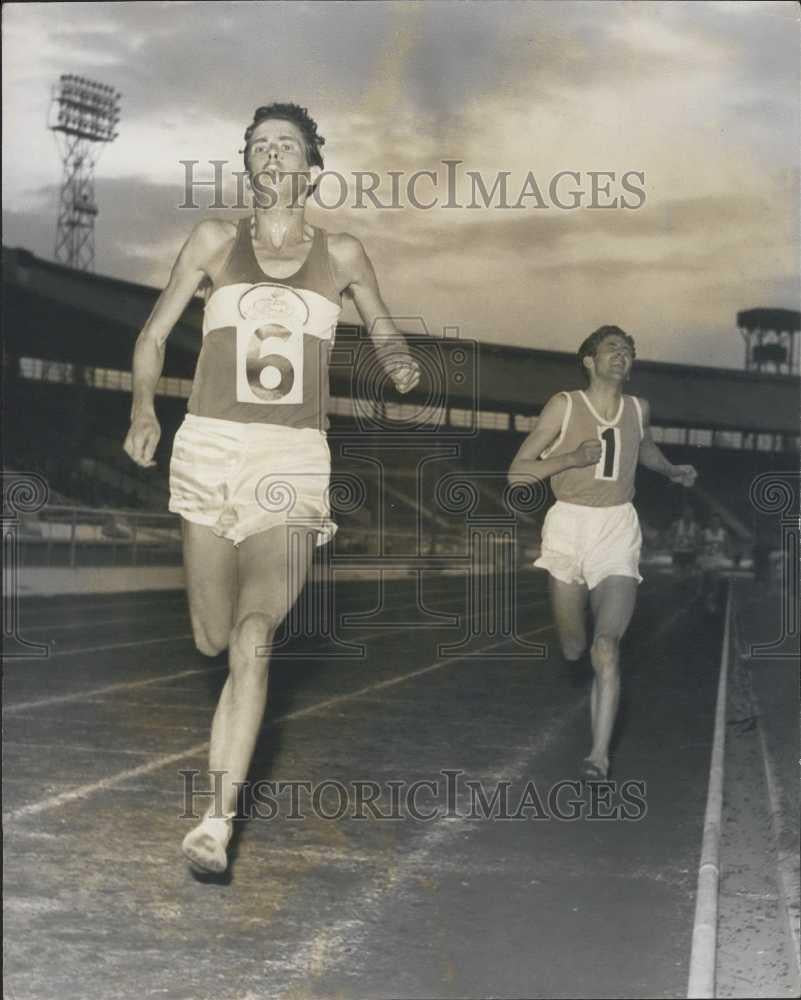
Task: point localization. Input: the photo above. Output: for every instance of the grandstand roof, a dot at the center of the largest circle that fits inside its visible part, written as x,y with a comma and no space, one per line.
54,312
57,312
778,320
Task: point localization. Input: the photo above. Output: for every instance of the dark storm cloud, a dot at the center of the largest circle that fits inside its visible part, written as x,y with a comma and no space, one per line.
221,58
215,59
525,53
137,234
702,97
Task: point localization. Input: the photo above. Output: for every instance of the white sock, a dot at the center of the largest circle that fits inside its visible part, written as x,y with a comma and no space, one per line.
220,826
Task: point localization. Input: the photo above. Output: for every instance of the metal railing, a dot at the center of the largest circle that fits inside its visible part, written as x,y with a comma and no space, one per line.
59,535
75,536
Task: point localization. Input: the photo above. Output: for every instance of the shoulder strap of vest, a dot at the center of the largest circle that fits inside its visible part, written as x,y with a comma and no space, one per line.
563,430
638,408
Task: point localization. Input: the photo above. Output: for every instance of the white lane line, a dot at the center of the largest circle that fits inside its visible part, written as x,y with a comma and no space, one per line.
90,623
86,791
340,944
30,614
118,645
333,945
784,839
705,925
78,747
376,633
188,635
42,661
123,645
60,699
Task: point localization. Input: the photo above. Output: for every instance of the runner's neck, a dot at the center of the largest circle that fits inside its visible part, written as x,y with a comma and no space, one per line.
605,398
279,228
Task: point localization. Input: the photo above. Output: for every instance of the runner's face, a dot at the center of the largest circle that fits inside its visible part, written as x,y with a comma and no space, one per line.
613,358
276,148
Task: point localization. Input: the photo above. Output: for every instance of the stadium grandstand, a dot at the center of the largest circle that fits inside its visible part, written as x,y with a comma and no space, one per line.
69,338
422,641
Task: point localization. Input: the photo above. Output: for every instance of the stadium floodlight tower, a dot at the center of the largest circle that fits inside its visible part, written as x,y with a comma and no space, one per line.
83,117
771,339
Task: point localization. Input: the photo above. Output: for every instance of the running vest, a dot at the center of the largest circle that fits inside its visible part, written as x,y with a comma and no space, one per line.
266,341
611,481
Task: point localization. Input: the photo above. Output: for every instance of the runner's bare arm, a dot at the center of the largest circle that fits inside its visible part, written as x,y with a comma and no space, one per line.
357,275
527,463
651,455
148,358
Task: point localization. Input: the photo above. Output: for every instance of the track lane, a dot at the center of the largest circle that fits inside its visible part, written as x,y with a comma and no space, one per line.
292,909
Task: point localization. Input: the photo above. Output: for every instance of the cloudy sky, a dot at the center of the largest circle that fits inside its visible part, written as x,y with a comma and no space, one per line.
702,98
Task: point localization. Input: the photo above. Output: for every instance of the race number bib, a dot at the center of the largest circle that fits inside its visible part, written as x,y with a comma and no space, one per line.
608,467
269,345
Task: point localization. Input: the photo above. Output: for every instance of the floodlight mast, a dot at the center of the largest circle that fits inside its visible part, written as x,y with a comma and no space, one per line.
84,115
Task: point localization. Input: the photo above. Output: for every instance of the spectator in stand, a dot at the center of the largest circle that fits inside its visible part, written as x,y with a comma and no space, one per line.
685,540
716,556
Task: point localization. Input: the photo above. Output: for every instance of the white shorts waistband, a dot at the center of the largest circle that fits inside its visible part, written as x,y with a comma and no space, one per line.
238,430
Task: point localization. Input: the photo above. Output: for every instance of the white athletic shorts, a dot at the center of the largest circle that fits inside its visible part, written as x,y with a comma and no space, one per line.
239,479
586,544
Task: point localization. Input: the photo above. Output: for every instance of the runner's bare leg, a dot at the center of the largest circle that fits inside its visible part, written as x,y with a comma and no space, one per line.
273,566
569,608
612,603
270,570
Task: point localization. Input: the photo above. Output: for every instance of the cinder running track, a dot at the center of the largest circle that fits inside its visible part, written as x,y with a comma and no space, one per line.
100,905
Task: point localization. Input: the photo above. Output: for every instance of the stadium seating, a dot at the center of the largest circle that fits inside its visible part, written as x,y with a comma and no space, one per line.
72,435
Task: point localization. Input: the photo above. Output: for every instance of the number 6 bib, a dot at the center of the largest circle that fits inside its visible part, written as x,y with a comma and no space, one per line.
269,345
